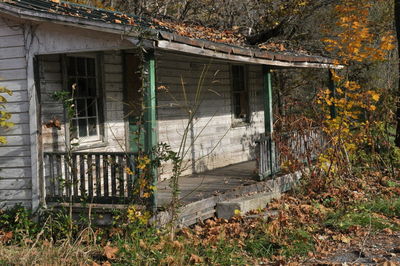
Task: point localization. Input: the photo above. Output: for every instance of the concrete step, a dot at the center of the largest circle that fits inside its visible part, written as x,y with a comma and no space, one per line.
226,209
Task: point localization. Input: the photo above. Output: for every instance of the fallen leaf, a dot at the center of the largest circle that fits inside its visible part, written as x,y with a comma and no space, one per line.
110,252
195,259
5,236
168,260
388,231
177,244
142,244
342,238
388,263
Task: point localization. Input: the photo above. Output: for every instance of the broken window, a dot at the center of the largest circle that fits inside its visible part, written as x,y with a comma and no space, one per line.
240,94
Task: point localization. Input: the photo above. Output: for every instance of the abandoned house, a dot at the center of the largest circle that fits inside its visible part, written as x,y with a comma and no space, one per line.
128,84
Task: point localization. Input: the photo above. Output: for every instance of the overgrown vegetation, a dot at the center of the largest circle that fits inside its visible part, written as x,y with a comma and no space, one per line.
301,224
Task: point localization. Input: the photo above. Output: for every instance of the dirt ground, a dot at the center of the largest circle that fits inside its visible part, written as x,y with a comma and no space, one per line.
379,249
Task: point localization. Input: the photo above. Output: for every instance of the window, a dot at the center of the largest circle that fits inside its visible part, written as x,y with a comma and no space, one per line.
82,79
240,94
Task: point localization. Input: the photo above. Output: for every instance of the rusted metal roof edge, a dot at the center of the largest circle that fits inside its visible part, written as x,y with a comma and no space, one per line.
243,51
201,51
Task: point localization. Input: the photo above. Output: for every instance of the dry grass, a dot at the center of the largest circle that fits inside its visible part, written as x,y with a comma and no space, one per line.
45,253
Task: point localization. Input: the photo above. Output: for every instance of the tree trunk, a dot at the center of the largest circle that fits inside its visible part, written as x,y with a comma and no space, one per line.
397,20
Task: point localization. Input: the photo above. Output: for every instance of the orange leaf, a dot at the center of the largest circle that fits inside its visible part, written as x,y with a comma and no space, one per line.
195,259
5,236
110,252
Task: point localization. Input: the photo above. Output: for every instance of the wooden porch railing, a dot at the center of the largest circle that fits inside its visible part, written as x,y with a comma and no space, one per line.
91,177
297,147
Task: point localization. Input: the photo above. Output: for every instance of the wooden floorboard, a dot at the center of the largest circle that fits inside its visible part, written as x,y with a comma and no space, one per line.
200,186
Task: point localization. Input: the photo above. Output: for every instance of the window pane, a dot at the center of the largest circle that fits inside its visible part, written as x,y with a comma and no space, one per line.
81,64
91,69
92,87
81,108
71,62
74,129
82,87
236,104
244,107
92,127
82,72
91,108
82,124
240,93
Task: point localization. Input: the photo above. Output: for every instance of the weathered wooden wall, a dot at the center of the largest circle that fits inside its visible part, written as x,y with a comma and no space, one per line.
114,125
214,140
15,162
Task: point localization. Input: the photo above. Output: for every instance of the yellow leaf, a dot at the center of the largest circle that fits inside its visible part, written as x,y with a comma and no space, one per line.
375,97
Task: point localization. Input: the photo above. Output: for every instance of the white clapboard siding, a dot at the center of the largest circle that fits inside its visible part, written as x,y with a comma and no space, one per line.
15,184
114,92
216,141
15,162
15,194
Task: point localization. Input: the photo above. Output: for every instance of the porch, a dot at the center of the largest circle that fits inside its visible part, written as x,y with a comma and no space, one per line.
197,187
117,177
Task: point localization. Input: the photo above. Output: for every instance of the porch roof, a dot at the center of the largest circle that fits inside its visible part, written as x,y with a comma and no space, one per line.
164,34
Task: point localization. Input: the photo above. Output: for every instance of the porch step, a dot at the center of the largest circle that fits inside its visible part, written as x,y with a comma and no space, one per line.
226,209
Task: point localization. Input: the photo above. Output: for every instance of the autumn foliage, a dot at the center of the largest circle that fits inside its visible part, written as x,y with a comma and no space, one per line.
350,125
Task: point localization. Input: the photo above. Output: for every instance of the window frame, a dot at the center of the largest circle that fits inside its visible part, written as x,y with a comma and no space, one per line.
99,138
237,121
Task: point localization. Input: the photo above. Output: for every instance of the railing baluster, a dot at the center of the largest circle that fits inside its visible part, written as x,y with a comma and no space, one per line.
121,176
52,179
74,175
105,174
98,173
68,183
90,175
130,164
113,176
82,173
60,180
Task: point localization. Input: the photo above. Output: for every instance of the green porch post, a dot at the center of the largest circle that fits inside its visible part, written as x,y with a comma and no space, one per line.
332,88
150,116
268,114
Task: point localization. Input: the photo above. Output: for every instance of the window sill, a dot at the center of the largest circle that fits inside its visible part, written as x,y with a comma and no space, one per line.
90,145
239,123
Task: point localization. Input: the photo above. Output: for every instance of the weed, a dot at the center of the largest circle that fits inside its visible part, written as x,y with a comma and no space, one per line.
301,242
261,246
19,221
370,214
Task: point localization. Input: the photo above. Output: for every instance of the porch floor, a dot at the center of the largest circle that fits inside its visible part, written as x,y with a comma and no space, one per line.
211,183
